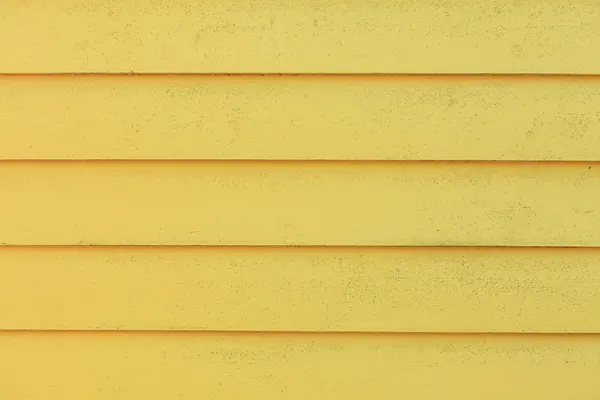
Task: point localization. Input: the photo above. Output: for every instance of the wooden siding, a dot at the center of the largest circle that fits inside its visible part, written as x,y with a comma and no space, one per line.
299,200
191,365
300,203
313,289
300,117
310,36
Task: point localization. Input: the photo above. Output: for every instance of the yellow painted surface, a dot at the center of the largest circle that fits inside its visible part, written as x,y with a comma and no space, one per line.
302,118
301,289
310,36
305,229
300,203
121,366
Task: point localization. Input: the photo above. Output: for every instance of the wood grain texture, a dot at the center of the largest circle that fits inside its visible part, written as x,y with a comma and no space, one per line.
301,289
360,118
300,203
342,36
123,366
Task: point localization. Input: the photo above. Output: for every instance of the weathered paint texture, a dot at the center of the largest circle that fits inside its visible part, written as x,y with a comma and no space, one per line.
299,200
300,118
308,36
300,203
314,289
191,365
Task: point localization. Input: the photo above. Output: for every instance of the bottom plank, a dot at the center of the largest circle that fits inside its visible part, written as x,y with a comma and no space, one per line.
194,365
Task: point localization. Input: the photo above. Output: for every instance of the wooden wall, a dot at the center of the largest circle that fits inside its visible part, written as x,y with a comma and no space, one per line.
299,200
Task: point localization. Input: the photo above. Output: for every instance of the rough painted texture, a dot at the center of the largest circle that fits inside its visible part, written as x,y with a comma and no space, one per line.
299,117
301,289
300,203
300,322
120,366
310,36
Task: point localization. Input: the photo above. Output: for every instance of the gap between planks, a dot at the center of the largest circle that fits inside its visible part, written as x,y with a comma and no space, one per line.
175,331
303,75
590,163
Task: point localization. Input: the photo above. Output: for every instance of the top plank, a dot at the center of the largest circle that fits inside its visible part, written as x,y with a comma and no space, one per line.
309,36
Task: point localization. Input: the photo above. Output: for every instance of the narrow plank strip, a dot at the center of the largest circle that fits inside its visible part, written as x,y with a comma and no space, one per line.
302,203
228,366
361,118
341,36
301,289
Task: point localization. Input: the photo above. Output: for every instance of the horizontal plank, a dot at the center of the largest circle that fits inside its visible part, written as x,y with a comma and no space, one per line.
300,203
342,36
301,289
227,366
241,117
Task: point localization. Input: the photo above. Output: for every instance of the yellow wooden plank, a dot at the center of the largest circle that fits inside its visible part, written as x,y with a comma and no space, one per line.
301,289
300,203
191,117
119,366
277,36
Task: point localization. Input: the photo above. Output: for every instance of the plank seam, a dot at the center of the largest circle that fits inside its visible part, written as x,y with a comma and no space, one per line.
553,162
288,247
293,333
299,75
